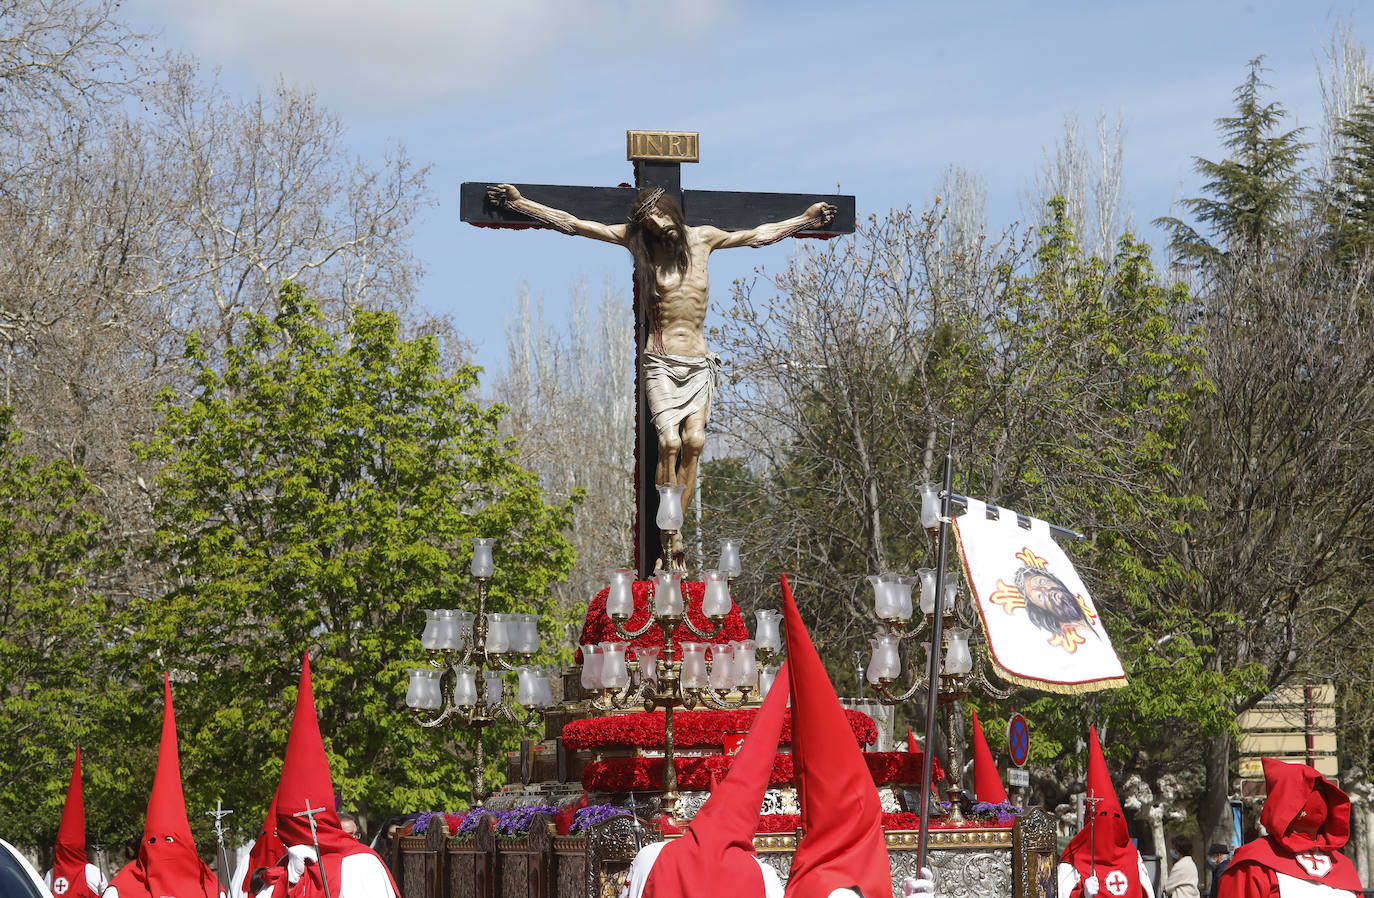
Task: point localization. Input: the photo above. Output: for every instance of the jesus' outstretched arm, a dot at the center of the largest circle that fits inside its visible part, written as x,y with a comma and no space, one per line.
506,195
817,215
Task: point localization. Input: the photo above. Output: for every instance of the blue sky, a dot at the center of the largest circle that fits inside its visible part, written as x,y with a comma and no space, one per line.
879,98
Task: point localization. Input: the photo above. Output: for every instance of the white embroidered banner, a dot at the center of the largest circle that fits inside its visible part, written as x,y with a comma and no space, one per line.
1042,627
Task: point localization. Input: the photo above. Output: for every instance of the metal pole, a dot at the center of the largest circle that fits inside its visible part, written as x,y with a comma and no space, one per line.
933,670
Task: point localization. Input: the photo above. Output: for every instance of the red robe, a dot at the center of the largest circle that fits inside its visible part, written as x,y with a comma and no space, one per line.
1279,864
1103,846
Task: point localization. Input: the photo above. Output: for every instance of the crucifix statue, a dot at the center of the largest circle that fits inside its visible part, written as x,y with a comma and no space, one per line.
669,234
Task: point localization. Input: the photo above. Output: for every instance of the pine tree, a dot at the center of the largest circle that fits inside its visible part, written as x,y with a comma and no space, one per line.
1250,195
1349,197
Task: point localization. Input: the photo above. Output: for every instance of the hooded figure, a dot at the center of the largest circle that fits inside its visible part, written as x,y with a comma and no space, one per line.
167,863
715,856
843,846
344,867
987,782
1308,821
72,876
266,851
1100,858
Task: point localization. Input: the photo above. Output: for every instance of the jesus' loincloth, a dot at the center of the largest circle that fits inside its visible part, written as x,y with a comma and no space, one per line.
678,386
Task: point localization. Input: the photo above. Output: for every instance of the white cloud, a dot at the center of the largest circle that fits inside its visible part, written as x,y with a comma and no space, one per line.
409,53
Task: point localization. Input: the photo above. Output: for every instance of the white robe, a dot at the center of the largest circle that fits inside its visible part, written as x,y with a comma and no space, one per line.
363,875
95,881
1068,878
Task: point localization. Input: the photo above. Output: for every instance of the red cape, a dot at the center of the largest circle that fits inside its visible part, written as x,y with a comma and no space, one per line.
1293,790
267,848
305,781
167,863
716,853
1104,844
69,865
842,845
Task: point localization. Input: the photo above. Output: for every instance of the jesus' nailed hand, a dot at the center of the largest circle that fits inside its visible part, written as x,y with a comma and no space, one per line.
670,264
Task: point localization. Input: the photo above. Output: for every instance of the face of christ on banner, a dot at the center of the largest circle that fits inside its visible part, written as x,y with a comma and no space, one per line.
1050,605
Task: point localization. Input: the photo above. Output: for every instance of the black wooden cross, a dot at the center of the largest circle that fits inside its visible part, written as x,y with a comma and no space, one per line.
725,209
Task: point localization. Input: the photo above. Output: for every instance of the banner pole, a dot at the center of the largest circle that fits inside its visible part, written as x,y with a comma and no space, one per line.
933,666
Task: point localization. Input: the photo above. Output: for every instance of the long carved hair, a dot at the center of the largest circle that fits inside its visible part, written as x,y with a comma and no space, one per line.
656,198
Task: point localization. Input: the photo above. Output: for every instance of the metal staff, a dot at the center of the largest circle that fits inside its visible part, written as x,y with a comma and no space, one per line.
634,815
933,671
221,855
309,813
1092,832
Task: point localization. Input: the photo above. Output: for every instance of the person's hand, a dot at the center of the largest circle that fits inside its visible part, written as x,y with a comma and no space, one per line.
924,886
503,194
822,212
1090,887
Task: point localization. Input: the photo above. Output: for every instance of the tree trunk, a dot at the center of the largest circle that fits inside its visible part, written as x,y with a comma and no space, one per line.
1156,815
1359,838
1215,812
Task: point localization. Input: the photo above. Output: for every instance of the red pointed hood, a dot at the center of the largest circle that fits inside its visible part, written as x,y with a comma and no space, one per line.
305,781
987,782
716,853
842,845
1300,798
267,847
69,865
167,861
1308,821
912,745
1104,842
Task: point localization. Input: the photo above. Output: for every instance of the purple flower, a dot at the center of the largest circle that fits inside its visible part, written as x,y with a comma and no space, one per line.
585,818
1001,811
517,821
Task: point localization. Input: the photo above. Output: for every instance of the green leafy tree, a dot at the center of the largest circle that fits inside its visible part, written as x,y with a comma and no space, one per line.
56,688
317,494
1265,563
1068,382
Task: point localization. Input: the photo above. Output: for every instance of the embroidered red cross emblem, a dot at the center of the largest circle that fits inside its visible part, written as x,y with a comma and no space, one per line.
1317,863
1116,882
60,885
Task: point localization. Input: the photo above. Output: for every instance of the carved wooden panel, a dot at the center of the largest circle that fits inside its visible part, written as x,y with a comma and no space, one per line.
421,858
515,876
570,879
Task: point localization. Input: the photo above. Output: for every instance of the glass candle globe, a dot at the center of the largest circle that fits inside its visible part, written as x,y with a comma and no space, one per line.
620,600
716,600
729,557
669,515
482,564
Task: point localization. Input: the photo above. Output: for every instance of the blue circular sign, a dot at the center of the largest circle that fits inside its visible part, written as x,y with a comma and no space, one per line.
1018,740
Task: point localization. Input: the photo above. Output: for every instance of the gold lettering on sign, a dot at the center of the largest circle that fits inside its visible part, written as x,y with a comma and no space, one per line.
662,146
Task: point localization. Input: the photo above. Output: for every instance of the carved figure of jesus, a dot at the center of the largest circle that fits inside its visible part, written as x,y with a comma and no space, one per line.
679,373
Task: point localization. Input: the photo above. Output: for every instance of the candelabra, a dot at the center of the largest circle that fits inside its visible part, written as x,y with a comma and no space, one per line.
466,648
962,670
657,678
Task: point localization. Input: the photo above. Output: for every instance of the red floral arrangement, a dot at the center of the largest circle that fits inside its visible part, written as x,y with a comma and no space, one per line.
597,626
632,774
691,729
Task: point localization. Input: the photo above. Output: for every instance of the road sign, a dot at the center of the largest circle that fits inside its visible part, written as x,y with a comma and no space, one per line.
1018,740
1018,777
